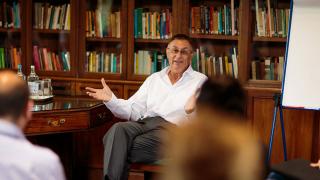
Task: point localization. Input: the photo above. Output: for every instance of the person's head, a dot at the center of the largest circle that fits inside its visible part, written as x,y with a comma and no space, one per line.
224,94
179,53
212,150
14,99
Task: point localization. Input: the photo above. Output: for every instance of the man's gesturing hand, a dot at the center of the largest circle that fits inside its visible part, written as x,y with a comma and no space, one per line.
104,94
316,165
191,103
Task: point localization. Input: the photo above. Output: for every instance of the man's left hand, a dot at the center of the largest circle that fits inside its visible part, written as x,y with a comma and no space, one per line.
316,165
191,103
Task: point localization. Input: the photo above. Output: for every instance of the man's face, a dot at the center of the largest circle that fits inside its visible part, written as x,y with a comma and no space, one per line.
179,53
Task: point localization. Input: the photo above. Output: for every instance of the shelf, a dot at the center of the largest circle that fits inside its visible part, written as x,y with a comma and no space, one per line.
10,30
270,39
51,31
102,73
107,76
264,83
106,39
161,41
97,80
45,73
214,36
137,77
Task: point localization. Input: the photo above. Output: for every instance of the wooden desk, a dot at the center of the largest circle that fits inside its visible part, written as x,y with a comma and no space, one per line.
67,114
56,123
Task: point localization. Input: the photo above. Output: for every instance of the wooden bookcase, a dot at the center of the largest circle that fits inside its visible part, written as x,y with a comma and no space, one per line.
214,35
137,43
270,45
53,39
12,33
107,42
78,43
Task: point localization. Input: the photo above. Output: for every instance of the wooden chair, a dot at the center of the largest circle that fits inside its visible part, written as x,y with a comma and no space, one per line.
149,170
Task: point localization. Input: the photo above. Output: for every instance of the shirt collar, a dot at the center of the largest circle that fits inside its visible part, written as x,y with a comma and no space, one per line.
188,71
11,130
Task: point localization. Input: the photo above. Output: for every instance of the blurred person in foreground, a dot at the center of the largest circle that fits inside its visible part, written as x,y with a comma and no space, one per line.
19,159
217,143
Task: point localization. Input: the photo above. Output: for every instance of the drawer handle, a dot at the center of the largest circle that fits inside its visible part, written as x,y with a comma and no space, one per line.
102,116
56,123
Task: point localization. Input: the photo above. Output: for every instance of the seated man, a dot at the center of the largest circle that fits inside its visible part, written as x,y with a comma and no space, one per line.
160,102
19,159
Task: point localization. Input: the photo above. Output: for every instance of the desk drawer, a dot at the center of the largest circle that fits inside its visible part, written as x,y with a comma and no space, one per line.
57,122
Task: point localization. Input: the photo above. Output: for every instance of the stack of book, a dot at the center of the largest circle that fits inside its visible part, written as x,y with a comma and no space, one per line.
100,23
270,20
10,57
10,14
103,62
215,20
48,16
152,25
267,68
211,65
45,59
147,62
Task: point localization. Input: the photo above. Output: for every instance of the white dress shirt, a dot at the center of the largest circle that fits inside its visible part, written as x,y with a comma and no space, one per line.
157,96
21,160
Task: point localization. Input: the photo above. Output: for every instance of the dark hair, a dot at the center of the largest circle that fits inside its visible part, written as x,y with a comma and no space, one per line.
13,102
182,37
223,93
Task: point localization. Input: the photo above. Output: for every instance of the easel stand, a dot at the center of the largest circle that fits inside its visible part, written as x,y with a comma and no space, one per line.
277,105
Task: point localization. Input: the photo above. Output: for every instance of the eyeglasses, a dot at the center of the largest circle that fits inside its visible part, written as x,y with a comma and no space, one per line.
183,52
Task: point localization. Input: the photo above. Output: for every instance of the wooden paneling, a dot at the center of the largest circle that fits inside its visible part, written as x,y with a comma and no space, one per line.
129,90
62,145
63,87
300,126
316,138
244,43
89,160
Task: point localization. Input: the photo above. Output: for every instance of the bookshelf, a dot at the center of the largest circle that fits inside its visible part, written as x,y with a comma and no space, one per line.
102,39
269,39
214,26
214,37
6,30
149,29
270,30
50,37
12,35
85,40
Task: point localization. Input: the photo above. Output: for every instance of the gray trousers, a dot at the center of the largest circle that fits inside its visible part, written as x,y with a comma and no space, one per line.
132,142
